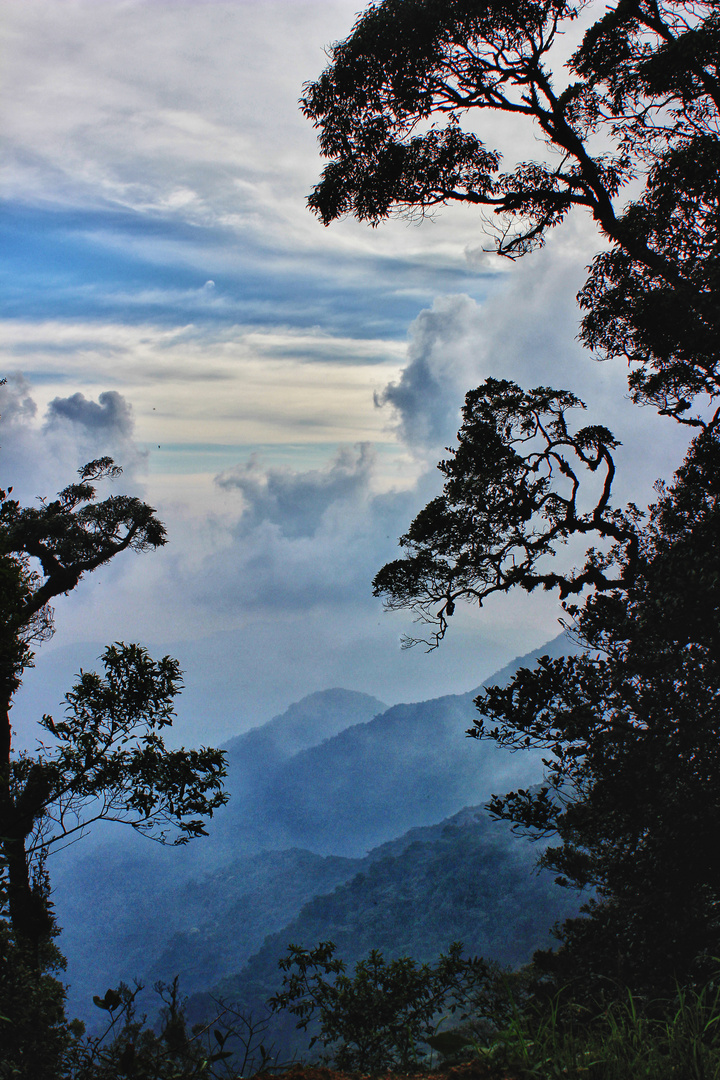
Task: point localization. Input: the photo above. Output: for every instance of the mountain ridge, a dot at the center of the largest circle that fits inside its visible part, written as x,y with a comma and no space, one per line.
369,784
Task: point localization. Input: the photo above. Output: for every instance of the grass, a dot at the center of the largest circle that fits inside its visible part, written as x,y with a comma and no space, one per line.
678,1042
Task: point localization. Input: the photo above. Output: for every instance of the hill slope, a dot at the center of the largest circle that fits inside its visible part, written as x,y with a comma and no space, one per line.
330,777
466,879
410,765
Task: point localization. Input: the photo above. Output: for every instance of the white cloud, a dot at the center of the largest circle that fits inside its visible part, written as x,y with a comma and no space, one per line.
40,458
443,363
203,385
16,403
190,111
297,501
110,415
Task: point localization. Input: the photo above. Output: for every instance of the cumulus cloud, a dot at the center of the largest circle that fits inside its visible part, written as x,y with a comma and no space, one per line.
110,415
16,403
301,540
442,365
526,331
297,501
182,136
80,429
41,454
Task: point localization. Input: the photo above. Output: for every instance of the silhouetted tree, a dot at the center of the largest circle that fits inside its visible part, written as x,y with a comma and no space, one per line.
629,729
105,759
514,492
630,733
399,108
376,1019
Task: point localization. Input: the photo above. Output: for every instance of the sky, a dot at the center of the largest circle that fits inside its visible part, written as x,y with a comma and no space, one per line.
278,391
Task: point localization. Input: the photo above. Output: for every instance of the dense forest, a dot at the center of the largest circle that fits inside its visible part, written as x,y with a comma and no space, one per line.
626,724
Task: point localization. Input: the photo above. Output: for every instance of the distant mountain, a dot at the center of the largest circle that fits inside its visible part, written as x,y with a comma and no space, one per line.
465,879
121,902
410,765
308,722
312,791
255,757
124,921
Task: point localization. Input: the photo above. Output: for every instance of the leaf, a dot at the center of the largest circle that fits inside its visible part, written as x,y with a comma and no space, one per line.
448,1042
110,1002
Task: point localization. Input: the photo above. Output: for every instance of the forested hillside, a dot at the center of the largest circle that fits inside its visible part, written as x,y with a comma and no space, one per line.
465,879
311,792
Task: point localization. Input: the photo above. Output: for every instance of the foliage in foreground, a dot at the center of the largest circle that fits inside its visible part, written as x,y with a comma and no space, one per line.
402,1017
399,1016
378,1018
675,1039
228,1045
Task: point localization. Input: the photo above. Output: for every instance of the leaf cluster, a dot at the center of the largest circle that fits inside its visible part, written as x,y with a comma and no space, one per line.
46,550
667,326
129,1046
108,759
630,732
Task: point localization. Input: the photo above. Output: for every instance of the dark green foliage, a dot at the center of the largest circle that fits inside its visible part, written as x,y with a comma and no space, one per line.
629,731
378,1018
34,1033
667,329
611,1039
129,1047
464,879
408,61
70,537
105,760
109,760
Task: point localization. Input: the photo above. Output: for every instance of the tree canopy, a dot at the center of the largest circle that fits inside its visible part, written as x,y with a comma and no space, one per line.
515,489
67,538
399,108
630,736
376,1019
